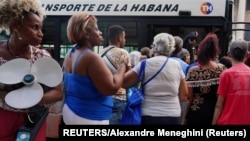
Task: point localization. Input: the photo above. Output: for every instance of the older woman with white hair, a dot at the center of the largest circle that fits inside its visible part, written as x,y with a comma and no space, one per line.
165,91
135,57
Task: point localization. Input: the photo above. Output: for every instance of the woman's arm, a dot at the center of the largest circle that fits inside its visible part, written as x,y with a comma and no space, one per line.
130,79
183,90
189,100
52,96
218,109
101,76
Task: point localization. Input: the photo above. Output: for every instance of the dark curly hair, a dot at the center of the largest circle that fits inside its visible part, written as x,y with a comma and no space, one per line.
208,48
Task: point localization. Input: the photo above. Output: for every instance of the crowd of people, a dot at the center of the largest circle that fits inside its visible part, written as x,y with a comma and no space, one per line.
195,86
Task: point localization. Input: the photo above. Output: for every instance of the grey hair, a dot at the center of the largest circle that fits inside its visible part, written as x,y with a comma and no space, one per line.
241,44
135,57
164,44
178,42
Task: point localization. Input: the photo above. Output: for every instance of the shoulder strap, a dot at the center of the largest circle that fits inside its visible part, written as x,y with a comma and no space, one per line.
156,72
107,51
141,72
77,59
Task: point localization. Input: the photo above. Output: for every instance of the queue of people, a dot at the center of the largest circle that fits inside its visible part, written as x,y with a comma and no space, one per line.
214,91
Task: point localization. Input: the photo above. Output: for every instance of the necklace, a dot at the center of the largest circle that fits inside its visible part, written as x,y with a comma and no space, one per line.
18,55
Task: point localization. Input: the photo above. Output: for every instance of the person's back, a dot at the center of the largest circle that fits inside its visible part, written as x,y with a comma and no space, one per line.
162,95
89,95
202,81
232,106
163,89
183,64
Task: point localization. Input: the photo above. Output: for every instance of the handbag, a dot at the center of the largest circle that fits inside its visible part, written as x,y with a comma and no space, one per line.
135,96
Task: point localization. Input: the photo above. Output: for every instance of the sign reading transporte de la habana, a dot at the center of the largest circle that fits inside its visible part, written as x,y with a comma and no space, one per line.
135,7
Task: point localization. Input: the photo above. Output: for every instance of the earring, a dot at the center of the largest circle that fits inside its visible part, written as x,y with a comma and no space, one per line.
20,38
